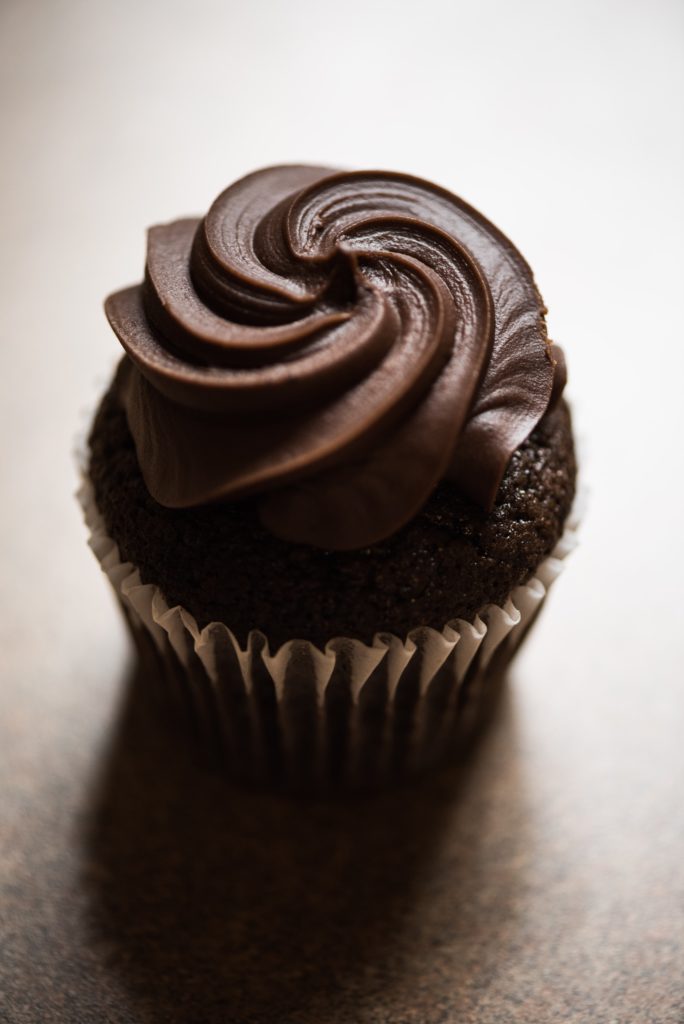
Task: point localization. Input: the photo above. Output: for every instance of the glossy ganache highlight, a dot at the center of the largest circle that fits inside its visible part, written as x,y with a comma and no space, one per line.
336,344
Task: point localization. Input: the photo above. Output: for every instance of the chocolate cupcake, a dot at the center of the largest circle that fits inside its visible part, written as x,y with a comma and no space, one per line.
332,477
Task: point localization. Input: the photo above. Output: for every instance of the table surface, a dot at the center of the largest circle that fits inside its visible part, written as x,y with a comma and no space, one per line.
541,880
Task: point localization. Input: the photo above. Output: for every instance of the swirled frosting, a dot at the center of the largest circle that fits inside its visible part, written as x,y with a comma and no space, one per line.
335,344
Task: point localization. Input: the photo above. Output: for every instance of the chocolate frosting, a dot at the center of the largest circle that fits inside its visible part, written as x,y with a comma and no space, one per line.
335,343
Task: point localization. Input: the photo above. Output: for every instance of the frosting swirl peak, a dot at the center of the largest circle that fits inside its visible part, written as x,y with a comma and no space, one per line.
335,343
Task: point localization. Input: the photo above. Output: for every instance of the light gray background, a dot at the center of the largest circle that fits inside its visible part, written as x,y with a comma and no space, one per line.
563,123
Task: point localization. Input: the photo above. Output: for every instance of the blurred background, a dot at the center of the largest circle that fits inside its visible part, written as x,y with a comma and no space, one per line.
563,123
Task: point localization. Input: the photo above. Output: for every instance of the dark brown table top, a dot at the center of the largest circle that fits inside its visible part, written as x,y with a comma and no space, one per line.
539,881
523,884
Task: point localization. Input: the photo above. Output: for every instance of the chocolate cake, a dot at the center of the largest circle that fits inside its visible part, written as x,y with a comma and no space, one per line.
448,562
331,477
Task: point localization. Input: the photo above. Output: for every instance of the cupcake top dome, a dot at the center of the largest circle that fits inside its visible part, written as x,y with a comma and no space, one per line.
335,343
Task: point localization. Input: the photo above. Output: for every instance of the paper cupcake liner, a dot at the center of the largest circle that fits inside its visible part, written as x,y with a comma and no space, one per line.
352,715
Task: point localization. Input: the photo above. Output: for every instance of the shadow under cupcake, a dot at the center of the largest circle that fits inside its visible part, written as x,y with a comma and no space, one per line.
211,903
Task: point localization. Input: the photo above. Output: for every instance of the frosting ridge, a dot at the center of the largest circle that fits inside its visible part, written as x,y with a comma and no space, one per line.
334,343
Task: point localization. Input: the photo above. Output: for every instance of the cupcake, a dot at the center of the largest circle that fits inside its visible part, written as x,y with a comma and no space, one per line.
331,480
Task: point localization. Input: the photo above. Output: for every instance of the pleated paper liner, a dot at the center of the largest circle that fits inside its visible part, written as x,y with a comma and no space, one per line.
350,716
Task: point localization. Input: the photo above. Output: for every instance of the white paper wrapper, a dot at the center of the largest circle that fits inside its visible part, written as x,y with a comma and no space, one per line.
352,715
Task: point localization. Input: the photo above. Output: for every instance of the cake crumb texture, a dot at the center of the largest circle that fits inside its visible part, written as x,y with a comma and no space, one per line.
448,562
